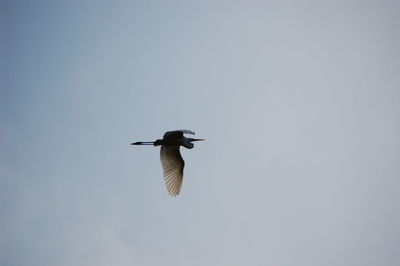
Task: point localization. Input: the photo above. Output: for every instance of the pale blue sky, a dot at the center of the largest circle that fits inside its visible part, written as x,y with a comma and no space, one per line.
299,103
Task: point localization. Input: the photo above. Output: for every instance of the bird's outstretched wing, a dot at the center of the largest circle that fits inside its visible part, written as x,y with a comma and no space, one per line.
172,164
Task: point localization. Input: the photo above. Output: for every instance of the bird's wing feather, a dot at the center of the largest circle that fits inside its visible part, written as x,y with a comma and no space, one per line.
173,164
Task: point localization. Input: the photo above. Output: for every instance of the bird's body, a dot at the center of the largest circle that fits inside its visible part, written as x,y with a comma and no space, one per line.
171,158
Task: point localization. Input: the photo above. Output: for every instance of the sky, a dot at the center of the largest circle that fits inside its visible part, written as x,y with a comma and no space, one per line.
299,103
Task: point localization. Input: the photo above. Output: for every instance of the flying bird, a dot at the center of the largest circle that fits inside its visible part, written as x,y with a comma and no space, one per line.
171,158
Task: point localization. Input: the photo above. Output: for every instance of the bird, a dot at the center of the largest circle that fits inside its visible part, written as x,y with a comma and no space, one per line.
171,158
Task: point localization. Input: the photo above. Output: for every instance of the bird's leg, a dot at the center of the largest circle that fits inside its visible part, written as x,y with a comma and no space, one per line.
143,143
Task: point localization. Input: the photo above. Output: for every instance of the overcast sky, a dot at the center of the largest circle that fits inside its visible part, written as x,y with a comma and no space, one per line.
299,103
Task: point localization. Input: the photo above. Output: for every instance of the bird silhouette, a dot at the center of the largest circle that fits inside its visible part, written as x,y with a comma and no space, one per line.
171,158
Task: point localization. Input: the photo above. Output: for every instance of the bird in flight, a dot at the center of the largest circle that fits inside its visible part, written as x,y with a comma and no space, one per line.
171,158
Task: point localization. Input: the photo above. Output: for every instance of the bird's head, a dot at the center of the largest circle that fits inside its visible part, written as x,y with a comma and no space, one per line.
187,142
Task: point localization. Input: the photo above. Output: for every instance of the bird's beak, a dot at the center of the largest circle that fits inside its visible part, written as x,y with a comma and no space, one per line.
197,139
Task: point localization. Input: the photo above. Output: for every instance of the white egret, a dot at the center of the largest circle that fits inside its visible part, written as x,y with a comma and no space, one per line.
171,159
